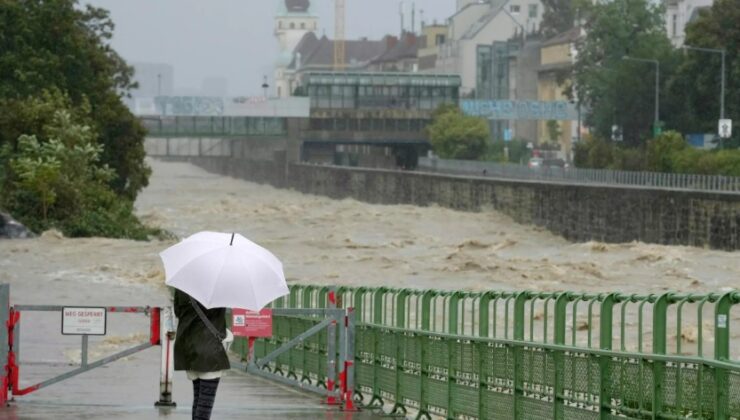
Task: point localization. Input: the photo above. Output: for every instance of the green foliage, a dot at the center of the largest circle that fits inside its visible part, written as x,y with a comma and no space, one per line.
553,131
55,178
696,86
663,151
457,136
668,153
60,46
614,30
561,15
517,151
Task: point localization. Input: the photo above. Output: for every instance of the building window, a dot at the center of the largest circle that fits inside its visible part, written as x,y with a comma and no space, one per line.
533,11
303,25
439,39
514,9
280,24
292,25
675,24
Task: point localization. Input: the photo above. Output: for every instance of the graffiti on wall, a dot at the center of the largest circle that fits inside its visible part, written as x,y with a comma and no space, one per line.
519,110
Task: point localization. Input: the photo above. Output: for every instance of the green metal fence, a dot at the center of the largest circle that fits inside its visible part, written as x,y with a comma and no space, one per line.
493,355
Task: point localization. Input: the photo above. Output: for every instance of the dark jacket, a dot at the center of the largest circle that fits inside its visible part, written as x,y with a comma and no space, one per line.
196,348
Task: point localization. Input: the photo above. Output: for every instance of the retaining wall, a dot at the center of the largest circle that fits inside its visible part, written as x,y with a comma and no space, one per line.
577,212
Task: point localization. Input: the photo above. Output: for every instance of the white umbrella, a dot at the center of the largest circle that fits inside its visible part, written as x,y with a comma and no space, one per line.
224,270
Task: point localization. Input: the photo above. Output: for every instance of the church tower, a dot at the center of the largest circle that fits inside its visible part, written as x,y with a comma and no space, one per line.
293,20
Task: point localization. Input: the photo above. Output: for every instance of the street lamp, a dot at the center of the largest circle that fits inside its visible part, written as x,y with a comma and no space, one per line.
265,86
657,86
722,91
722,77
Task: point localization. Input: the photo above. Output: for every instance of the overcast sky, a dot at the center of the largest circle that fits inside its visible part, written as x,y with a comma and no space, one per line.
234,38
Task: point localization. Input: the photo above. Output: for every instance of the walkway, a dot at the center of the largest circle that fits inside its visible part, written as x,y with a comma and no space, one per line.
127,390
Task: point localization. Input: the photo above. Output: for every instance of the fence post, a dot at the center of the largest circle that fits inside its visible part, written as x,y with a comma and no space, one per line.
483,312
660,309
722,352
401,308
5,320
349,364
331,350
167,367
561,306
605,343
519,303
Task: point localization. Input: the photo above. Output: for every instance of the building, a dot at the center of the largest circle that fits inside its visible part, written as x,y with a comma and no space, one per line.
432,37
678,14
313,54
293,21
401,55
154,79
372,119
483,23
557,56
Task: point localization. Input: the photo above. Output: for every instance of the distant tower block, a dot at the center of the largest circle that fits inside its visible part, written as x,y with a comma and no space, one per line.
294,19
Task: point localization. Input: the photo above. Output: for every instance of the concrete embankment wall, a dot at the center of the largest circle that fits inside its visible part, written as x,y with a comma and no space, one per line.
577,212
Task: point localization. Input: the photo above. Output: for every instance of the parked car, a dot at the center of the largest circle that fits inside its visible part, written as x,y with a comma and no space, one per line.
535,163
554,163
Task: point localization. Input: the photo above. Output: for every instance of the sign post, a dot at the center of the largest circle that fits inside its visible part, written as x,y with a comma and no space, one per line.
251,324
83,321
725,128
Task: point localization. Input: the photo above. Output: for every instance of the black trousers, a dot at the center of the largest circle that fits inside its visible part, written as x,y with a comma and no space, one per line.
204,394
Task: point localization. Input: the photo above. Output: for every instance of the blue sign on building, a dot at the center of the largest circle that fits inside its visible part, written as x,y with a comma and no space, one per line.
519,110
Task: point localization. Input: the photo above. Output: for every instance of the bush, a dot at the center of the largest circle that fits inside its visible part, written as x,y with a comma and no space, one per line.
457,136
55,178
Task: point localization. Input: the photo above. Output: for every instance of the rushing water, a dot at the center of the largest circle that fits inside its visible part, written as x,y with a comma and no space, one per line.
347,242
320,241
327,241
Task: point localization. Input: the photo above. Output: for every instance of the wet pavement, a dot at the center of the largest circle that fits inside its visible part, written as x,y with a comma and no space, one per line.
127,389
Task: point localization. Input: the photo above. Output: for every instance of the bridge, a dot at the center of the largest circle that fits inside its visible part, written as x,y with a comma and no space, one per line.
510,355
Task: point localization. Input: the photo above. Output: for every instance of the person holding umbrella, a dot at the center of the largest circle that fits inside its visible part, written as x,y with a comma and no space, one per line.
199,351
213,271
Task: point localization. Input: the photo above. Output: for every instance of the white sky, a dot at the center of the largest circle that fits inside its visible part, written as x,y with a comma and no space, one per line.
233,39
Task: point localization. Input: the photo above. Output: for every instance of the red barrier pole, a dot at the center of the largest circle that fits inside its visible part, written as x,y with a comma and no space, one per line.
154,336
11,369
250,350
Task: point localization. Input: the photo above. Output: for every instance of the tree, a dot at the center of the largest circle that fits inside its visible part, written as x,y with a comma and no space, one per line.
696,85
56,179
457,136
617,91
561,15
58,45
553,131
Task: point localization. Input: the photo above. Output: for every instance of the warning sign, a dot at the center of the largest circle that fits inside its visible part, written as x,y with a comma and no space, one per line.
83,321
251,324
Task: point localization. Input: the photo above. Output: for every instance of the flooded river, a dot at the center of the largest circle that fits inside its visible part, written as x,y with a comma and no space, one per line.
325,241
320,241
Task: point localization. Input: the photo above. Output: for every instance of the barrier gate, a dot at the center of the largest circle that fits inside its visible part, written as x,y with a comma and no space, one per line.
161,333
332,327
310,348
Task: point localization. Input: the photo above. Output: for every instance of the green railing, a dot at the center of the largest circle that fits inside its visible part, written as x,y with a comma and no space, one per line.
186,126
530,355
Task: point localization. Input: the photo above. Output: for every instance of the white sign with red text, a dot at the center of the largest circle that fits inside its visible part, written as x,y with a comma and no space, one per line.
83,321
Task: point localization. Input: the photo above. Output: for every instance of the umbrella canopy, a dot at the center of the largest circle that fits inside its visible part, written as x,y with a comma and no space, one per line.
224,270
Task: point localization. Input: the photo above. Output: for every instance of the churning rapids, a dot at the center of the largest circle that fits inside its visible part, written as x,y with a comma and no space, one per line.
325,241
347,242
